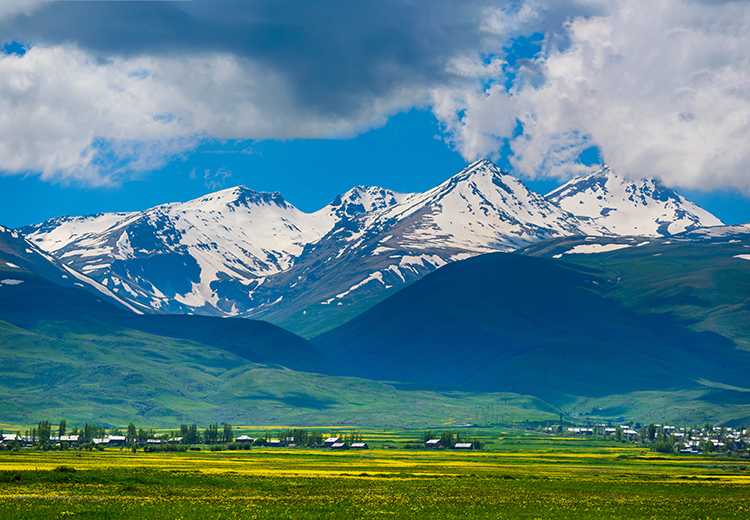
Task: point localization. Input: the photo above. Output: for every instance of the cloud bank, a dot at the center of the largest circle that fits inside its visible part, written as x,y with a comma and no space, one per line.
110,88
663,92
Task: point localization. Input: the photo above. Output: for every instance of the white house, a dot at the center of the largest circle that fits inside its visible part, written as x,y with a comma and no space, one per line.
331,440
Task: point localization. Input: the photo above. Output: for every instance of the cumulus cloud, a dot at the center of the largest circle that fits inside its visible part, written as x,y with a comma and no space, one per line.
109,88
112,87
64,112
663,91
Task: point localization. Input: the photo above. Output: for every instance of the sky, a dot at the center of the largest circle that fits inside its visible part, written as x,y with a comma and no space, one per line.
115,106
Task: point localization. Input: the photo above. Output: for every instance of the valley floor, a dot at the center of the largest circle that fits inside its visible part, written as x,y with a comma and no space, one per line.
550,480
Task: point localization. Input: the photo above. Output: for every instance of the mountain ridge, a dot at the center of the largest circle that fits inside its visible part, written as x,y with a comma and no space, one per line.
241,252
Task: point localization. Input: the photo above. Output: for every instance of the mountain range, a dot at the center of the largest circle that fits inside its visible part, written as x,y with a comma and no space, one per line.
243,253
597,328
477,293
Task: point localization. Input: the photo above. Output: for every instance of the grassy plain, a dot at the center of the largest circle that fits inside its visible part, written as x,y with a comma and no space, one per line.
57,372
521,477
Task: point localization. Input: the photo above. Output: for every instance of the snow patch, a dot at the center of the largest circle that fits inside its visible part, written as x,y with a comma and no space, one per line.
124,248
409,261
587,249
99,287
376,276
381,249
94,267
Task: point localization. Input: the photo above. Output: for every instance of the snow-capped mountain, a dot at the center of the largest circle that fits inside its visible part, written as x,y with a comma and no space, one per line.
624,207
21,261
478,210
242,252
206,255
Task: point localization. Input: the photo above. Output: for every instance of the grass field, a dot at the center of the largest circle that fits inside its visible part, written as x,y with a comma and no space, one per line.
524,476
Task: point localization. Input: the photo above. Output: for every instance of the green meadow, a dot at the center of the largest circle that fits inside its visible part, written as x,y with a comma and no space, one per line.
517,476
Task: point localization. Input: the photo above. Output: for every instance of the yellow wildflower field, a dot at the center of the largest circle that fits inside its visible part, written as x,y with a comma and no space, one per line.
622,482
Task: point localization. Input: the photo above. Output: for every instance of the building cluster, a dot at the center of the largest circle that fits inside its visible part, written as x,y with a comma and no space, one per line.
334,443
456,445
685,440
74,441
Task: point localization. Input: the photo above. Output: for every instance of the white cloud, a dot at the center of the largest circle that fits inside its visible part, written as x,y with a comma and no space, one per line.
664,91
68,115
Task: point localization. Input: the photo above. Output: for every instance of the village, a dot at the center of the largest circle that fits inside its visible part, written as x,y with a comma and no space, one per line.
667,438
658,437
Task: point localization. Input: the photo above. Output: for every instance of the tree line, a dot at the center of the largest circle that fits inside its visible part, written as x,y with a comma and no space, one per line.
46,435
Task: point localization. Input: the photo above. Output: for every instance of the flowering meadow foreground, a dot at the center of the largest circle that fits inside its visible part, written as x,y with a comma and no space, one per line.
524,476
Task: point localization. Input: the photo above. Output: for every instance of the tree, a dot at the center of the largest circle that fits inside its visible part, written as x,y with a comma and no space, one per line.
664,444
228,435
211,434
448,439
43,432
189,434
132,435
61,429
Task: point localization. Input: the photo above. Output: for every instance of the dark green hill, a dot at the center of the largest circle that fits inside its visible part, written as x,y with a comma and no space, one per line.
38,291
508,322
55,371
701,278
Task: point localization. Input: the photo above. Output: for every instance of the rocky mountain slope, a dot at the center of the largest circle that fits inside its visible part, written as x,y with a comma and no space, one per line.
23,264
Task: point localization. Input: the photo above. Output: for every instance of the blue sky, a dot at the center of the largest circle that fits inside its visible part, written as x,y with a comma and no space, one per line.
407,154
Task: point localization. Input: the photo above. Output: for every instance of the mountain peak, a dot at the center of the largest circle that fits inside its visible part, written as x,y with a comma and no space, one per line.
625,206
363,199
481,167
239,195
600,178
